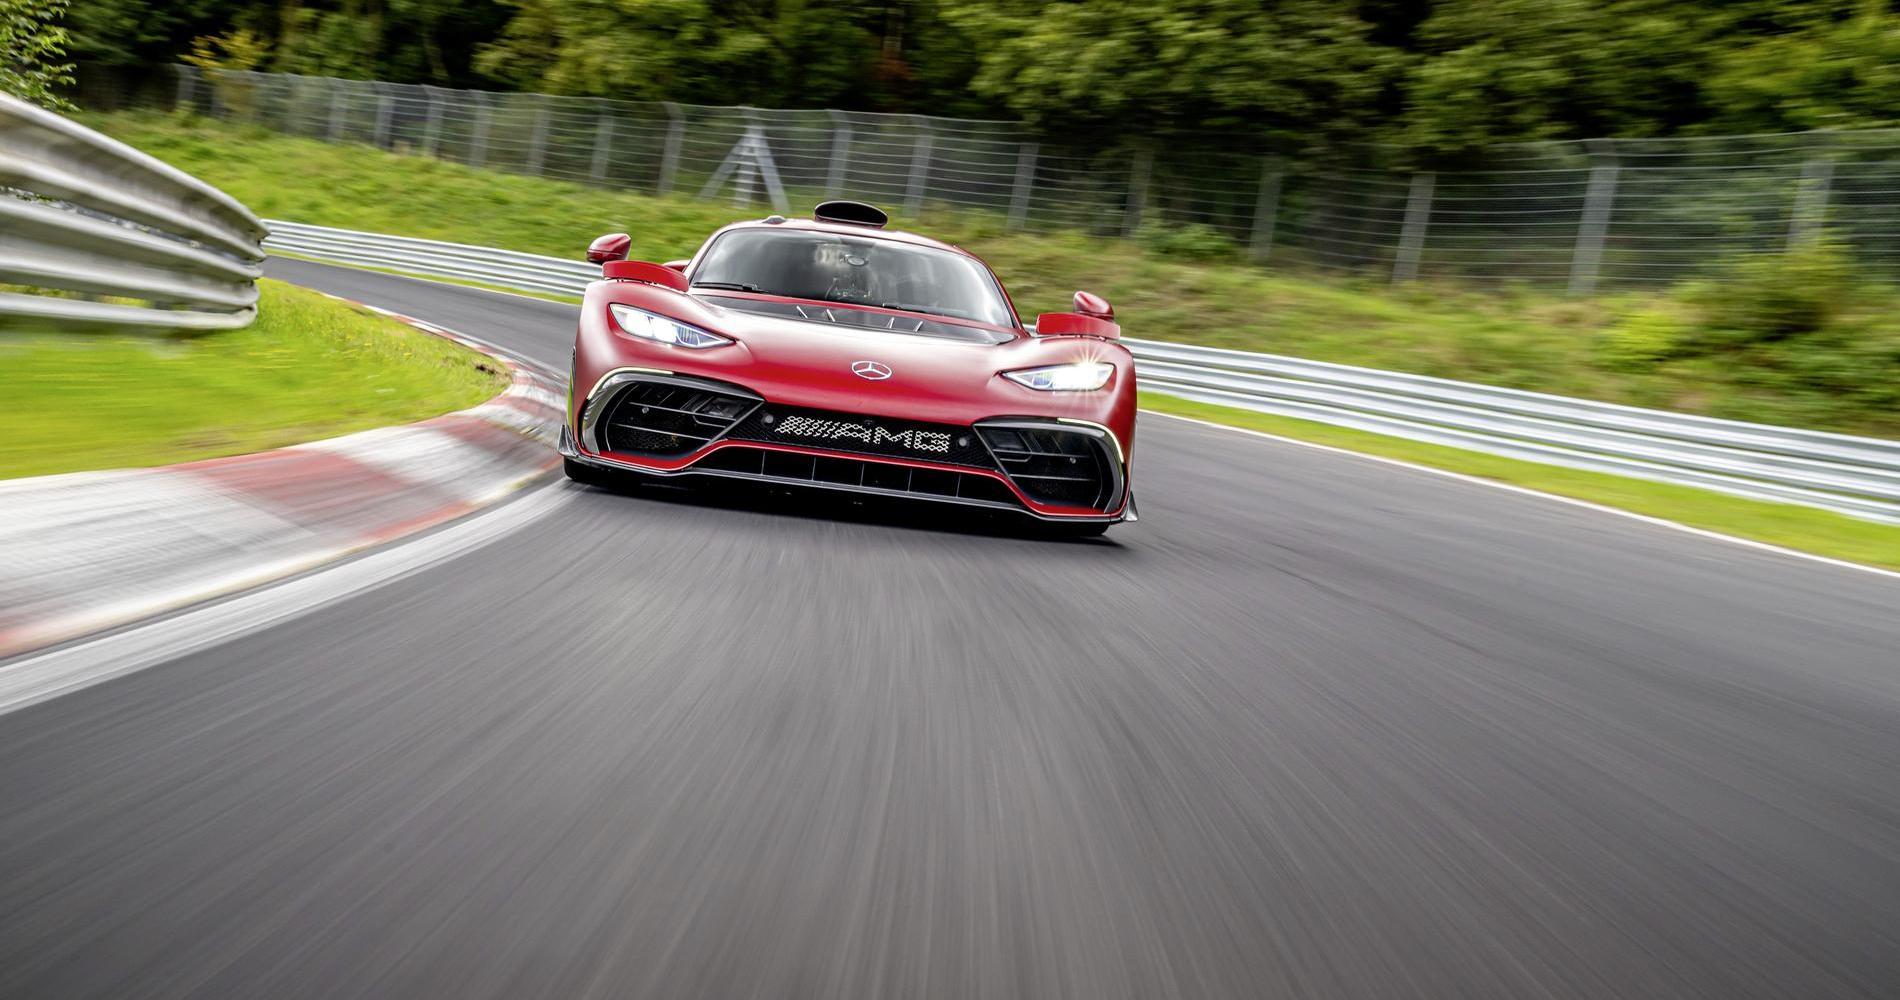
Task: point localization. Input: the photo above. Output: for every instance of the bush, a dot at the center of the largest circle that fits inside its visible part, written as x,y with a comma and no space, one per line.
1653,333
1192,242
1769,311
1772,297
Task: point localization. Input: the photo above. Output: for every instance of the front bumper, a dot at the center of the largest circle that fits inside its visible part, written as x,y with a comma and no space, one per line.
661,424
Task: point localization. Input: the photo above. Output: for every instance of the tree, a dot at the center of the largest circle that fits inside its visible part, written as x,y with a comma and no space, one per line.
1836,74
1292,70
33,51
403,40
144,32
239,48
776,52
1503,70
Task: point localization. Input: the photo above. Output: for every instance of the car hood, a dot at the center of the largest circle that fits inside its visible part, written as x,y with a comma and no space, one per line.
811,363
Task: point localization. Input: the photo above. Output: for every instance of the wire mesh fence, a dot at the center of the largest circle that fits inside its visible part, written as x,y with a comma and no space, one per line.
1583,215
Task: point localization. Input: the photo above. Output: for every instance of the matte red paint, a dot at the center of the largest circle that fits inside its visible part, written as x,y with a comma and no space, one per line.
801,363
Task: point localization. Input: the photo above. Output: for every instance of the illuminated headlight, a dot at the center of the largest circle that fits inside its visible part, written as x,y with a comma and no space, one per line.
1079,377
659,329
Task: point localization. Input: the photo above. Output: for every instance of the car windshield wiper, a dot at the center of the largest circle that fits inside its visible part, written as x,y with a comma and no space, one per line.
911,307
728,286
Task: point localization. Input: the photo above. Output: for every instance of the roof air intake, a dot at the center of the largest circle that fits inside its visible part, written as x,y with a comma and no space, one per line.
853,213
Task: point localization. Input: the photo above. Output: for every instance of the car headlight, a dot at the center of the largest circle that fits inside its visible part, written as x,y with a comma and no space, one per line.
659,329
1081,376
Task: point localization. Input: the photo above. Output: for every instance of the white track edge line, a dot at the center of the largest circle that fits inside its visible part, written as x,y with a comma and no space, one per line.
43,676
417,277
1527,491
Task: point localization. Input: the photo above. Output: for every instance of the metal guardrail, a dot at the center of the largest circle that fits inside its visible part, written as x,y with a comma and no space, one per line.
140,243
505,268
1850,475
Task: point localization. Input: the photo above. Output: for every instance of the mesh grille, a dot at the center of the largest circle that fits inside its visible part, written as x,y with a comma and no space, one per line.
947,444
850,472
1065,468
665,420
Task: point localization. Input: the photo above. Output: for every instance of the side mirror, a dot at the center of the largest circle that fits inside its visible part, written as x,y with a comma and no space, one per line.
677,265
613,246
1076,325
1090,304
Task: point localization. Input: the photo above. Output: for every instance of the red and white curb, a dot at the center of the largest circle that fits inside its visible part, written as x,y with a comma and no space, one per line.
91,550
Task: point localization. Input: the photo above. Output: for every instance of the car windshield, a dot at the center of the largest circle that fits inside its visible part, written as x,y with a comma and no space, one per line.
866,271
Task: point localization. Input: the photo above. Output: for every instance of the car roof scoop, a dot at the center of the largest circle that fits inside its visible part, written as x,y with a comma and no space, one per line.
851,213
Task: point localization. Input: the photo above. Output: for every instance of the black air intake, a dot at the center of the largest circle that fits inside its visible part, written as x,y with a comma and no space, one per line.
853,213
662,417
859,475
1057,464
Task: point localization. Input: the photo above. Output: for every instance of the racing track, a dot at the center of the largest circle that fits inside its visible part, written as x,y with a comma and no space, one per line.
1317,726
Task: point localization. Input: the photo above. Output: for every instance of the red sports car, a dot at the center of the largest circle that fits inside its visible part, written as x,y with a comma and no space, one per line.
839,355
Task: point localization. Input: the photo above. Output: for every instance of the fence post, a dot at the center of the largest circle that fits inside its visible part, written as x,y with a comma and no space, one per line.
538,144
1138,175
1266,209
478,145
1599,198
431,135
259,84
286,101
187,88
768,171
670,154
1024,186
603,144
336,109
746,152
295,101
1810,195
383,107
840,155
919,168
1418,215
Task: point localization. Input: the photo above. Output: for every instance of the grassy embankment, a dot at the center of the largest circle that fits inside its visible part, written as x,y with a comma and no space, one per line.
310,367
1514,337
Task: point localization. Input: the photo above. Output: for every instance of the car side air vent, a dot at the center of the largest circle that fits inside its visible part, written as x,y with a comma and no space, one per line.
1054,464
851,213
668,418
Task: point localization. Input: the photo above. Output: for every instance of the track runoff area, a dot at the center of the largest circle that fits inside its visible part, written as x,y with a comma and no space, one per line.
1316,725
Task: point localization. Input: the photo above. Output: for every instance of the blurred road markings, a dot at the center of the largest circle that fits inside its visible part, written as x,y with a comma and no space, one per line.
71,668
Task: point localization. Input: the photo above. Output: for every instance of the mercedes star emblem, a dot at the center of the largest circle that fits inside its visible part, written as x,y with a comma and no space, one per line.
871,370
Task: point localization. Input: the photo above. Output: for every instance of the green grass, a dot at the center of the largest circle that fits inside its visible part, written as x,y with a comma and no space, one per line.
309,368
1802,528
1513,336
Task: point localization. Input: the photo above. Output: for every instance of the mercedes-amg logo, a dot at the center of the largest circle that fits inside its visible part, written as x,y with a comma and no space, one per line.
871,370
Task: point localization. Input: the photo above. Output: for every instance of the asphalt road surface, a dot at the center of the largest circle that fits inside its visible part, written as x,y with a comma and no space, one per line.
1316,726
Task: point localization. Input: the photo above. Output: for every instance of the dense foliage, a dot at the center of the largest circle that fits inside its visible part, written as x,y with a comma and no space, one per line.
32,50
1429,75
